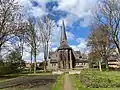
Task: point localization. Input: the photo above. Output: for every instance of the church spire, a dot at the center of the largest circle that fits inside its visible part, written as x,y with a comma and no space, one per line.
63,34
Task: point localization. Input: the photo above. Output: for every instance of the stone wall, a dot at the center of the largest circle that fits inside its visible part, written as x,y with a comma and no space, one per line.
52,66
82,65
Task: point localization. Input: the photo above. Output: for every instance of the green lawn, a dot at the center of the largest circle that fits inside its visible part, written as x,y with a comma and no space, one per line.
59,83
76,82
98,89
96,80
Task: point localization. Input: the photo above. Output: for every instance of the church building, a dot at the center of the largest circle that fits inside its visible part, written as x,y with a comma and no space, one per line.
65,57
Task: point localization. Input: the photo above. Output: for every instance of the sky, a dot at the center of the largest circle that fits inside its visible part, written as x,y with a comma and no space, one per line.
77,15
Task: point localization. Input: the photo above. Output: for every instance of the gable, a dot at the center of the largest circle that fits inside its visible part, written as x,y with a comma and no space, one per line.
53,55
77,54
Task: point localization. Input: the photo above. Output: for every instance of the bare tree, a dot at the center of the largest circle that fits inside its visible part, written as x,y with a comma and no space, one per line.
45,26
94,59
33,40
108,12
100,42
30,40
9,19
20,37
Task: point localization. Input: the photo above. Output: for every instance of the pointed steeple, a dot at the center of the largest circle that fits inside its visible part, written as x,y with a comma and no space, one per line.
63,40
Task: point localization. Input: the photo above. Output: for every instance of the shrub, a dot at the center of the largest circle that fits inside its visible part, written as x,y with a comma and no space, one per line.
8,68
13,63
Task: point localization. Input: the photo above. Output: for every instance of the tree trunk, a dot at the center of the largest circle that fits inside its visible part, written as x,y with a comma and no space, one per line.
47,49
35,62
21,47
100,68
107,67
45,66
1,44
45,52
31,62
117,45
0,53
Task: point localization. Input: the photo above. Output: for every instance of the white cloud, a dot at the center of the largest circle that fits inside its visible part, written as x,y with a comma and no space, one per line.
27,57
78,9
55,36
61,20
37,12
82,45
70,36
8,47
30,10
54,49
82,42
43,1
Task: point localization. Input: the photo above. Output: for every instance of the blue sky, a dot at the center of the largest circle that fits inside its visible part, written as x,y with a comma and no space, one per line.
77,15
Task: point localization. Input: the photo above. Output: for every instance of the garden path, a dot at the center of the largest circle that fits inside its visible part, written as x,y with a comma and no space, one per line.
67,85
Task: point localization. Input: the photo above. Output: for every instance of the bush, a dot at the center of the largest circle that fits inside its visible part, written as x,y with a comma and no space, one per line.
8,68
12,64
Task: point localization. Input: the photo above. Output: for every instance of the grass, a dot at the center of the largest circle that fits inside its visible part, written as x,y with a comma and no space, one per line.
98,89
76,82
59,83
96,80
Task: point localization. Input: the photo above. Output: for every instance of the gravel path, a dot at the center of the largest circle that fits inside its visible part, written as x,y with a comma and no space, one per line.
67,83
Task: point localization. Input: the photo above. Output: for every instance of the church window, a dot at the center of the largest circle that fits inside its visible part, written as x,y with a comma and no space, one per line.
83,63
54,64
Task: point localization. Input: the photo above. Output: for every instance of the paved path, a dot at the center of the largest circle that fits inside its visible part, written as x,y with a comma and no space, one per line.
67,83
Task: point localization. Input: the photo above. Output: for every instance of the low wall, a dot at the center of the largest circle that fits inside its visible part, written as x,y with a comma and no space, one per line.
69,72
74,72
57,72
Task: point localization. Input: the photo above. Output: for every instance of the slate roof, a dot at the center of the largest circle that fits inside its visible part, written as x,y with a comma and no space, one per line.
64,47
81,60
53,61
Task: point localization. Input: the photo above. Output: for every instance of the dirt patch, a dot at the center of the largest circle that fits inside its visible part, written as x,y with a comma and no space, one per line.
30,82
